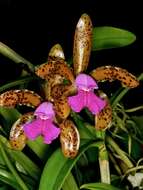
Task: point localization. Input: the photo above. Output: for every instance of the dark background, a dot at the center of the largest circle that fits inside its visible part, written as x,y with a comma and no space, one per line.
31,28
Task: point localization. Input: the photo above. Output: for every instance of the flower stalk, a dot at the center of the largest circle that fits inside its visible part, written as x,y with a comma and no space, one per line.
104,165
120,152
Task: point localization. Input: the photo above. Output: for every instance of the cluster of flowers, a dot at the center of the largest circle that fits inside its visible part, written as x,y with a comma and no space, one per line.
50,119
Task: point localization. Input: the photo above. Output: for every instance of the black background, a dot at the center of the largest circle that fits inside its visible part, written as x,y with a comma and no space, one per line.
32,27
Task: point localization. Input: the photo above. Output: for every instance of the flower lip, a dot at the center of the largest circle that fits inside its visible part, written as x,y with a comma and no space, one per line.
85,82
45,111
43,124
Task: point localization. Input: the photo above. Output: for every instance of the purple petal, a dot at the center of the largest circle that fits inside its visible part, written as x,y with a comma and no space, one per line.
49,131
45,111
85,82
94,103
33,129
77,102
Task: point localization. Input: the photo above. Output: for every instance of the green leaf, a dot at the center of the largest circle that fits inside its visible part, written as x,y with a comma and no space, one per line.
29,166
11,54
4,187
58,168
70,183
99,186
86,131
139,124
11,167
23,80
10,115
110,37
39,148
9,179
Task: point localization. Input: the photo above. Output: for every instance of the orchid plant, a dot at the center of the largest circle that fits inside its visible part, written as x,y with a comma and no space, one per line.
57,111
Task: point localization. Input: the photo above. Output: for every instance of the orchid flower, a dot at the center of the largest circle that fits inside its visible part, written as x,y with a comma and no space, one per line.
43,124
76,95
24,127
62,96
86,98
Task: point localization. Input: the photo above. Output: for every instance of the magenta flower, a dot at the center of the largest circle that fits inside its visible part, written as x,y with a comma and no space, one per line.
43,124
86,98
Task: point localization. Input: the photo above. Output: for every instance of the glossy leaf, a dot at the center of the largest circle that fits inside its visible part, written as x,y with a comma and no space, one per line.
39,148
110,37
9,179
11,167
58,168
86,131
70,183
21,81
98,186
138,121
10,116
11,54
28,165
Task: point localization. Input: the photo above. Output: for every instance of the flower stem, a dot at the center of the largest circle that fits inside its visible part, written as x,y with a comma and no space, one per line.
16,83
134,109
104,165
11,54
12,169
115,164
120,152
120,96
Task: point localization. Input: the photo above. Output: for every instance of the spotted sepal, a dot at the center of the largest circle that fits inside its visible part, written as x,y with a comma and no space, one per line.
59,94
12,98
53,69
112,73
61,107
82,44
48,86
56,52
69,138
17,136
103,119
63,90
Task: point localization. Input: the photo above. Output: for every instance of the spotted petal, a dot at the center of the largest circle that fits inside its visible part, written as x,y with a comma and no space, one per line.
62,107
17,136
12,98
103,120
55,68
115,73
56,52
69,138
